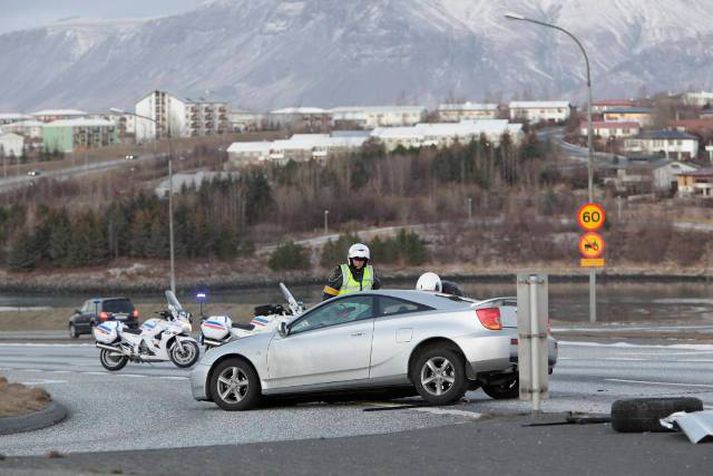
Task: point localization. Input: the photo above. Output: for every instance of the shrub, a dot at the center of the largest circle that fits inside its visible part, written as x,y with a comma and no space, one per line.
289,256
335,252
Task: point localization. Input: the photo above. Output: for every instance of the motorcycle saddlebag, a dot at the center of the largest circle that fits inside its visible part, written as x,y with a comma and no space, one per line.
216,327
267,309
107,332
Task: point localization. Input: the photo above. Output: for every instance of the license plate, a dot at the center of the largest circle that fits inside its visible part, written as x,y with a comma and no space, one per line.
121,317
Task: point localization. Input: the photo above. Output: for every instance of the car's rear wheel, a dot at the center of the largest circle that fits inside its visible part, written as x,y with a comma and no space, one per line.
112,360
439,375
508,389
234,385
73,334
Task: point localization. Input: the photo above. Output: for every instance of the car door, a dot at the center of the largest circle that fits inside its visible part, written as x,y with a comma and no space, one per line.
327,345
84,315
395,325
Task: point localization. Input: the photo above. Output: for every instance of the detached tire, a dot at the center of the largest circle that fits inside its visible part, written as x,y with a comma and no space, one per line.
637,415
506,390
439,376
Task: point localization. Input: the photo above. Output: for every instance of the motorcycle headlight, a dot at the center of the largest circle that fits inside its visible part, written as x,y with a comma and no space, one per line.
187,327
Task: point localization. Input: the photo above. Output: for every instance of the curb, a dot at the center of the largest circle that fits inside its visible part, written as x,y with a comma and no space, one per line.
53,414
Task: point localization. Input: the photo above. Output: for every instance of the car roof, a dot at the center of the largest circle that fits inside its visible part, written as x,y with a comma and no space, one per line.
434,300
102,299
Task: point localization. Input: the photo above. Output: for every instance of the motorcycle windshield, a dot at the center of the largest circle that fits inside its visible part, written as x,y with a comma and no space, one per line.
173,305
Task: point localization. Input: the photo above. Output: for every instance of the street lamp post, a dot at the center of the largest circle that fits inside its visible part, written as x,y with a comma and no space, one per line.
170,191
590,154
326,221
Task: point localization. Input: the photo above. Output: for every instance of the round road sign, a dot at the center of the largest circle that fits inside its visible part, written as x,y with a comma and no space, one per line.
591,216
591,245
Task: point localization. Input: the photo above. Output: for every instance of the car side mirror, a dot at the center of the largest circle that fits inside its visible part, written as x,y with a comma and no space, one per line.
283,329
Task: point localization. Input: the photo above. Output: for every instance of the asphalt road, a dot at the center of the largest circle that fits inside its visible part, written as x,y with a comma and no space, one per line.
150,407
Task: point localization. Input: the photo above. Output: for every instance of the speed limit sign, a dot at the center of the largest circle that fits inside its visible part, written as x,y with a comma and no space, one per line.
591,216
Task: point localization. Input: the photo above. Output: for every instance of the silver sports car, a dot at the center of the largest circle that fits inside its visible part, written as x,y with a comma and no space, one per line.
437,345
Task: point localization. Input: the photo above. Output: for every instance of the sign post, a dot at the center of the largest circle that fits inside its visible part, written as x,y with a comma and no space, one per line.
532,317
590,218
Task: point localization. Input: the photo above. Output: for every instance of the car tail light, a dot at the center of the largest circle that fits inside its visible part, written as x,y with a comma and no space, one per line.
103,315
135,313
490,318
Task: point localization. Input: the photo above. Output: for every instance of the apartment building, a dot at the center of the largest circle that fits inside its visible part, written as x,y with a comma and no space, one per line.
11,144
466,111
371,117
306,119
49,115
298,147
643,115
671,144
70,134
612,129
540,111
179,117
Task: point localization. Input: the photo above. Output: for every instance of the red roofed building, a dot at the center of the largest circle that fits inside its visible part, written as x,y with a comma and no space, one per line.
606,104
607,129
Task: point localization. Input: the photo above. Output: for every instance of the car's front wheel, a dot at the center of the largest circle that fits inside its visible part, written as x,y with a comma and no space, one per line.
73,334
439,375
234,385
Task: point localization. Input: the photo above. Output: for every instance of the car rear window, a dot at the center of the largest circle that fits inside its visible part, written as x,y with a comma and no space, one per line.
118,305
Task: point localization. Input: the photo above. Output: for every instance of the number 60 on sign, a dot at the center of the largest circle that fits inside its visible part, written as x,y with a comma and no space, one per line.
591,216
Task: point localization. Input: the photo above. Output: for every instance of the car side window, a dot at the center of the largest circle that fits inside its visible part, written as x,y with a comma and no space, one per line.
389,306
341,311
87,307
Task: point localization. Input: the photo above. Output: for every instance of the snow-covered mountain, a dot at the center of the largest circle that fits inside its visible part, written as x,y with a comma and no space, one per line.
264,54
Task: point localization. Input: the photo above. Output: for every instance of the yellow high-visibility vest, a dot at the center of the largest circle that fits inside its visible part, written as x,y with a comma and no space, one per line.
351,285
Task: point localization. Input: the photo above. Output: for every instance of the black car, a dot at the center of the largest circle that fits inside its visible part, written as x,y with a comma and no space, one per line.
97,310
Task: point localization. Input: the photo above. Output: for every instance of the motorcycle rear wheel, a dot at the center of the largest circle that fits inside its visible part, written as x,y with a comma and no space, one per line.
190,355
112,361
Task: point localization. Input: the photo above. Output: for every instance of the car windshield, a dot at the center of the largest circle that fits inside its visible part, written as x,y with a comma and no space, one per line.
118,305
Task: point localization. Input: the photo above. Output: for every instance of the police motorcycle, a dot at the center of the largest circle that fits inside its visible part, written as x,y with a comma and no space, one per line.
219,330
157,340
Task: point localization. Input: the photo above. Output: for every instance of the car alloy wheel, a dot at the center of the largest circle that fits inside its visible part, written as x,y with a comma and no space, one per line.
233,385
73,332
437,376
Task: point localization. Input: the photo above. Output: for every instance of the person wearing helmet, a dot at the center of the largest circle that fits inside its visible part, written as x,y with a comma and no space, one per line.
354,276
433,283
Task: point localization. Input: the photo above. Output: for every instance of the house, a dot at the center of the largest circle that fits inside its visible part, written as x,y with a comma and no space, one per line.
707,113
642,115
536,111
371,117
599,107
700,98
241,121
178,117
69,134
666,143
665,174
696,183
49,115
194,180
612,129
301,118
11,144
466,110
249,151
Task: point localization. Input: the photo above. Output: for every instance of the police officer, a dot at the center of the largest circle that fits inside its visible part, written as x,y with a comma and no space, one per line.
432,282
354,276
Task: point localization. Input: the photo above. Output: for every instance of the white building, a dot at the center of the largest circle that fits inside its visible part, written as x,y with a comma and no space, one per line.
668,143
10,117
31,129
298,147
614,129
665,174
49,115
536,111
446,134
466,110
179,117
11,144
241,121
301,118
371,117
700,98
194,180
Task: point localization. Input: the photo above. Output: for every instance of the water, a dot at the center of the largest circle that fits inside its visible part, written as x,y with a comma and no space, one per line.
616,302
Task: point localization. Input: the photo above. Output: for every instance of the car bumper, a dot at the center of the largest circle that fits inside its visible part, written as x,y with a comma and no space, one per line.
486,353
199,381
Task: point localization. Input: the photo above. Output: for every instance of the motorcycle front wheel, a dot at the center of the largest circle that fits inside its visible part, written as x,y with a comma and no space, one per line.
184,358
112,360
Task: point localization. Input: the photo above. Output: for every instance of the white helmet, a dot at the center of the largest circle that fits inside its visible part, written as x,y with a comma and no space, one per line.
429,282
358,250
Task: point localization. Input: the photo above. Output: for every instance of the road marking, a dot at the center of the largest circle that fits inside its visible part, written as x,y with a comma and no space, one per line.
624,359
666,384
624,345
446,411
36,344
42,382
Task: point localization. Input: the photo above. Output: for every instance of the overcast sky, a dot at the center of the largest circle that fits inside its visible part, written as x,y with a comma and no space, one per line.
22,14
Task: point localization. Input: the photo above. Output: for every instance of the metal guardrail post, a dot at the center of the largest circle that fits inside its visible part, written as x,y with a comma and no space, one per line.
532,305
